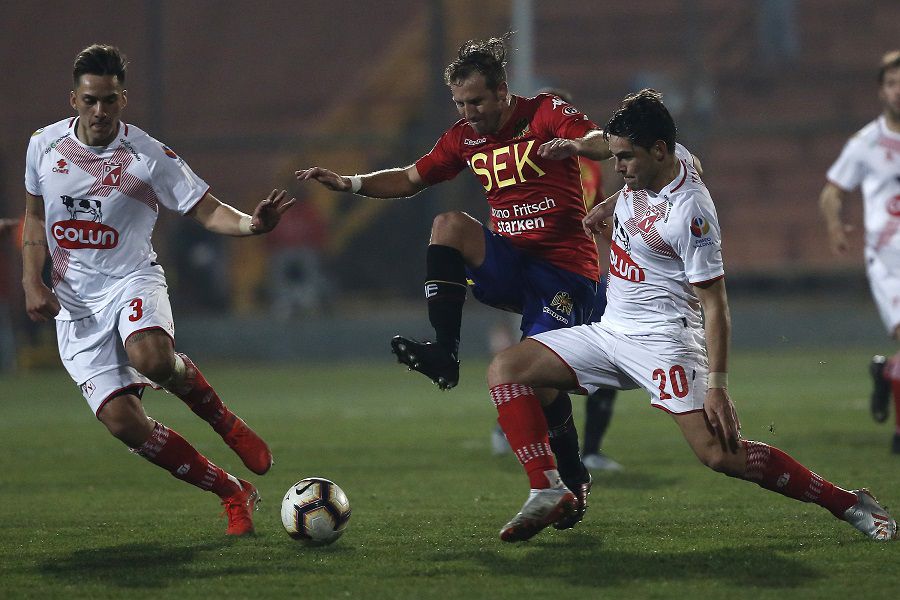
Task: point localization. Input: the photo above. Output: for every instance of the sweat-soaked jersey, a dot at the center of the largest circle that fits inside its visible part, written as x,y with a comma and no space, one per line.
535,202
100,207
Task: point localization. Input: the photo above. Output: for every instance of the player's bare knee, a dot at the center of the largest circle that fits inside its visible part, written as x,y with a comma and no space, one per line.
125,419
158,367
448,229
719,461
505,368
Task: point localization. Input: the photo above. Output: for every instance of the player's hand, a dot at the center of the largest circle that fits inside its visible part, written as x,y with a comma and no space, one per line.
595,220
268,212
722,419
329,179
837,238
558,149
41,303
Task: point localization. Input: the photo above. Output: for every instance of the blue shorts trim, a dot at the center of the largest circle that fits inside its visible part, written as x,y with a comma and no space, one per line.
546,296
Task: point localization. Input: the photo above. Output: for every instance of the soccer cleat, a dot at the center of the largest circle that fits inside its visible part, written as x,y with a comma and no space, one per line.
429,359
239,508
600,462
581,490
542,508
251,448
870,517
881,389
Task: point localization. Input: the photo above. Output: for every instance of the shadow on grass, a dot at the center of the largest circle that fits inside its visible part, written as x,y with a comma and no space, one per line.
587,564
135,565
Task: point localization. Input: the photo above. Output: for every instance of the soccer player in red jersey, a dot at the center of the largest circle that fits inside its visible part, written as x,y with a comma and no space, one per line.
870,161
534,258
665,266
93,186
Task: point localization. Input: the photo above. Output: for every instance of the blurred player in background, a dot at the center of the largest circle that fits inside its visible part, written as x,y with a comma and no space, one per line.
598,407
871,160
535,259
93,186
667,266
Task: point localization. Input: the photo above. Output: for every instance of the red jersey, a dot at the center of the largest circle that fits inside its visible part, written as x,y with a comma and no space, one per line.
535,202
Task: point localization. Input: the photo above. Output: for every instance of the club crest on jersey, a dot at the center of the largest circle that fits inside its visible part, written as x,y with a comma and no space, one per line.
562,302
112,173
621,265
650,217
84,227
61,167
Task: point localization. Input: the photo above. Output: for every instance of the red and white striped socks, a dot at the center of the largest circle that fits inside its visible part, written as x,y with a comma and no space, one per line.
774,470
522,420
167,449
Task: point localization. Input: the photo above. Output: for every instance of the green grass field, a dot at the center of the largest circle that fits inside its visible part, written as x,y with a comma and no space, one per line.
82,517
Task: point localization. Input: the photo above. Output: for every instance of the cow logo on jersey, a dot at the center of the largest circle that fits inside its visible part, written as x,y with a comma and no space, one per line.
112,173
562,302
61,167
699,227
623,266
84,228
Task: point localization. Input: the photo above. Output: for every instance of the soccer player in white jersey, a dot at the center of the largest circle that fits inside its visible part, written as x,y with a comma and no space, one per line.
665,266
871,161
93,186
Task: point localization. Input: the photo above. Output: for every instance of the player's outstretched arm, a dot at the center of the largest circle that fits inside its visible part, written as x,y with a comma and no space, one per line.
218,217
389,183
720,412
592,145
41,303
831,204
595,221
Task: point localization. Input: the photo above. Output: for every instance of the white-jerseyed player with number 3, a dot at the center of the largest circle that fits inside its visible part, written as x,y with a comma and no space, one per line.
665,266
871,160
93,186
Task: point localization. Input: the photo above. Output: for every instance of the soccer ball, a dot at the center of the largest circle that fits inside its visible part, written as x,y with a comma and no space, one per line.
315,511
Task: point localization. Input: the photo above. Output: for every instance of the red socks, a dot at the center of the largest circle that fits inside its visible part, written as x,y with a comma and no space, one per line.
522,420
200,396
774,470
173,453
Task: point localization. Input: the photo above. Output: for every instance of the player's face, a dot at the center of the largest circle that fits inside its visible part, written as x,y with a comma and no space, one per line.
98,100
890,93
481,107
641,168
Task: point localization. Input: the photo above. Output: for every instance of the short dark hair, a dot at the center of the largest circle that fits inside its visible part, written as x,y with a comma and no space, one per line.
100,59
643,119
487,57
890,60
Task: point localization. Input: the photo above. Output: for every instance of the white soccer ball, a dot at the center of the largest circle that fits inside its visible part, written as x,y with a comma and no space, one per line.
315,511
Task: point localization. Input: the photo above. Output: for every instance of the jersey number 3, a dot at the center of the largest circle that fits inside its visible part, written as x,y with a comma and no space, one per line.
137,311
678,380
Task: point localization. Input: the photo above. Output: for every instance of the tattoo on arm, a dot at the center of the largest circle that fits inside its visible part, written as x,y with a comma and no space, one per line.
34,243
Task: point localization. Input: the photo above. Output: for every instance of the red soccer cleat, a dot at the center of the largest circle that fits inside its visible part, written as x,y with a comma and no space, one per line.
251,448
239,508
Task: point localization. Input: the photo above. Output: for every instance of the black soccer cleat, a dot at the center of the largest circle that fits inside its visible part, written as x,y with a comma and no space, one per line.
881,389
581,490
429,359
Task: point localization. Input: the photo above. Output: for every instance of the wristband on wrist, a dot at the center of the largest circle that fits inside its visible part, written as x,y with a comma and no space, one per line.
245,225
717,380
355,183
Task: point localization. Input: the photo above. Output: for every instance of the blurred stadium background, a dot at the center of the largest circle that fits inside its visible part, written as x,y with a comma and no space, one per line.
764,91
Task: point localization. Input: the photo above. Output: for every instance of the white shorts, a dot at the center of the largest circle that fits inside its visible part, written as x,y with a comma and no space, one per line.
673,369
885,285
92,349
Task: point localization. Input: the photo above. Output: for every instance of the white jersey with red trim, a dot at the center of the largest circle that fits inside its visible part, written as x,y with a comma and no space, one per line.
662,244
100,207
871,159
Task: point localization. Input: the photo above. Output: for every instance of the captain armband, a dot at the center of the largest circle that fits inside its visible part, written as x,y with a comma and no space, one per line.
717,380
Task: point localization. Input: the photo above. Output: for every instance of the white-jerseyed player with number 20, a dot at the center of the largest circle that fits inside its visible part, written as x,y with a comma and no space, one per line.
665,267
